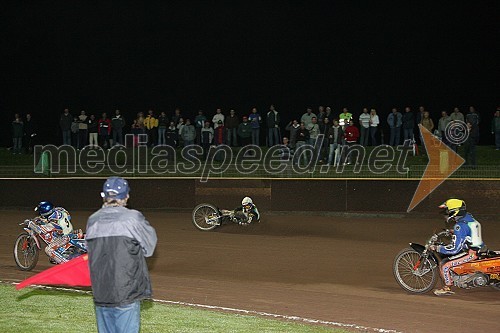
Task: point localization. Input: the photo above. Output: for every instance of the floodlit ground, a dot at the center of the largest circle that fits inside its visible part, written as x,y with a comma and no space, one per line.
334,269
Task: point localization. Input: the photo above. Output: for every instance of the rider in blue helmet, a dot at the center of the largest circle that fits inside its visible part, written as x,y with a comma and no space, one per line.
56,221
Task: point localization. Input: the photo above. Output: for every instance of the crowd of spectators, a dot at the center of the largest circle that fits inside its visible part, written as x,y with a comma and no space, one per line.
261,129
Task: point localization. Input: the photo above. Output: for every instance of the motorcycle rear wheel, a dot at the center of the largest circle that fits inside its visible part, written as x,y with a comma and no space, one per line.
25,252
206,217
407,277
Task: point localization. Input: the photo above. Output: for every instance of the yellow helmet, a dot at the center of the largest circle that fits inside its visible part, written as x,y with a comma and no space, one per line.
453,207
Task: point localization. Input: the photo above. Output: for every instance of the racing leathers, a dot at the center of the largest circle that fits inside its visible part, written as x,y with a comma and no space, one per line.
463,247
247,214
57,230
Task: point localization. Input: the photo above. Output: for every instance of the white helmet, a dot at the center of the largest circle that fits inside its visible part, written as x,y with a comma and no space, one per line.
246,201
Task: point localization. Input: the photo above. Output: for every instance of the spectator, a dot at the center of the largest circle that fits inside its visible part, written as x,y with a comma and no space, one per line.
474,119
140,122
188,133
17,134
335,137
83,132
344,118
179,126
151,126
470,145
495,128
135,130
420,114
395,120
307,117
273,121
313,129
177,116
427,122
220,134
232,123
456,115
293,127
162,128
364,126
172,135
408,124
255,120
286,150
92,127
207,136
321,114
104,125
442,124
245,131
199,122
30,133
374,121
218,116
117,125
119,239
65,124
75,129
324,127
302,140
351,135
328,113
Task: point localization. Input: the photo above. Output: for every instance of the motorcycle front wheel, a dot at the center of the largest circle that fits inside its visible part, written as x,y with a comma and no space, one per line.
25,252
412,279
206,217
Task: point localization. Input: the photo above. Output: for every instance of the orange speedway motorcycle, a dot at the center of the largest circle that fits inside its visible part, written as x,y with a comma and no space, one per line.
416,268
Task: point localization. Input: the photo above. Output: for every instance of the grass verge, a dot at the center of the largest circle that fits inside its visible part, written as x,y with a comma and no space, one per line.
43,310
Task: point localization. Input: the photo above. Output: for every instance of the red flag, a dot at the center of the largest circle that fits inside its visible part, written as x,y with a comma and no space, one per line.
72,273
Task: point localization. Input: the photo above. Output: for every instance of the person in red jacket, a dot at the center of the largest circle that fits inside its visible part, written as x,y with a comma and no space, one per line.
104,128
351,135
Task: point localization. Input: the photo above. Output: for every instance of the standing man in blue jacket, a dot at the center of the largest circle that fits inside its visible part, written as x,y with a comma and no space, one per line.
119,239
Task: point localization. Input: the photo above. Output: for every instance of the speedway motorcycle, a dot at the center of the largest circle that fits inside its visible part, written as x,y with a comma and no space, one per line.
416,268
27,246
207,217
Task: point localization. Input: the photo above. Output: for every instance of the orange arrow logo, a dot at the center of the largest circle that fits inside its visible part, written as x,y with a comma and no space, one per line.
442,163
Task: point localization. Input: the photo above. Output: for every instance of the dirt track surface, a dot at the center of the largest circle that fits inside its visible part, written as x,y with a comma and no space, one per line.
329,268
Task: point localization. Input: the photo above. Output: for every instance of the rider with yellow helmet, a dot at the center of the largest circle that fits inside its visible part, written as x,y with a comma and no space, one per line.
466,240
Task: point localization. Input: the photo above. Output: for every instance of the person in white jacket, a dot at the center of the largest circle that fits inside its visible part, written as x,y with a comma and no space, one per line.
374,121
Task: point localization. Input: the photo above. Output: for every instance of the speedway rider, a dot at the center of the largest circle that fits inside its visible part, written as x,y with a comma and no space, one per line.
466,240
246,213
55,221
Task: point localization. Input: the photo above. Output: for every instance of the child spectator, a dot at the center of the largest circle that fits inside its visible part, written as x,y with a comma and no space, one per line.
351,137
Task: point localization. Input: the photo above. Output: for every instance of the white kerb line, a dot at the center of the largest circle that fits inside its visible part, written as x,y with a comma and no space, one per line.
241,311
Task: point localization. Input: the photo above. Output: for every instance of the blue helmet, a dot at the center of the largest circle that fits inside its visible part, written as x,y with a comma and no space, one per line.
44,208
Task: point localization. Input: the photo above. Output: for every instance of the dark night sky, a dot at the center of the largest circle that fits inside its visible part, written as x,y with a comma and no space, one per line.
165,54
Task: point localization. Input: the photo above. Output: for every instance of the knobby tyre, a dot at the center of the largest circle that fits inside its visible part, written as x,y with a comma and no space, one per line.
25,252
206,217
412,280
